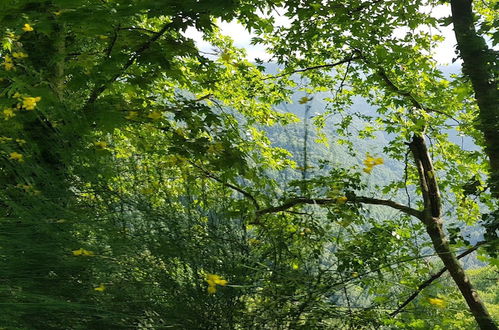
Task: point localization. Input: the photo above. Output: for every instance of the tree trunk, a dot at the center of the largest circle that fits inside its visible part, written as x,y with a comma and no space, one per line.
434,227
480,65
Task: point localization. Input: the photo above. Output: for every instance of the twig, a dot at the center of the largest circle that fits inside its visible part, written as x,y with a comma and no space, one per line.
204,97
409,96
137,28
429,281
100,89
229,185
332,65
113,42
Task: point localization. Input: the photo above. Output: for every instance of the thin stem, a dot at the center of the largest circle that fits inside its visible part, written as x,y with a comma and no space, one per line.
429,281
323,66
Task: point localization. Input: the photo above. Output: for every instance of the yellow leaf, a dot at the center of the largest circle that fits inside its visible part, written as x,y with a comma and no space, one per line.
370,162
100,288
16,156
368,170
437,302
213,280
7,64
8,113
341,200
27,28
222,282
19,55
82,252
29,103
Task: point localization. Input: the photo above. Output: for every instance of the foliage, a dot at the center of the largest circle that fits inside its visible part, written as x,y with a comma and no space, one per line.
148,184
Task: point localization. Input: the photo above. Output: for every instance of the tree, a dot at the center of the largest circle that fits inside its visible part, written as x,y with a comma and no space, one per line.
480,65
75,74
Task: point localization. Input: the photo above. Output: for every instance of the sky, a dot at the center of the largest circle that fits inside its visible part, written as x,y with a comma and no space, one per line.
444,54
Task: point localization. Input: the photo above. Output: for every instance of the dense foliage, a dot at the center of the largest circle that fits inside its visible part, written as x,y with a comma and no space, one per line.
146,183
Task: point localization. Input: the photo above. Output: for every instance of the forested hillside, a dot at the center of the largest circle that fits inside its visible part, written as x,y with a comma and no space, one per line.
349,182
336,152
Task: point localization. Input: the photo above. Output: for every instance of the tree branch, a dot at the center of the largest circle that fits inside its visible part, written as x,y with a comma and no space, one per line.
394,205
137,28
429,281
110,47
427,180
204,97
100,89
409,96
326,201
228,185
394,88
434,228
332,65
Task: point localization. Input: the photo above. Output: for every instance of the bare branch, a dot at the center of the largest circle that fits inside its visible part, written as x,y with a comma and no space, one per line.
137,28
429,281
327,201
332,65
394,205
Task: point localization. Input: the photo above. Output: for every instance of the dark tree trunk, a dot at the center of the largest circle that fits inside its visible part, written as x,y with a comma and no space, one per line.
434,227
480,65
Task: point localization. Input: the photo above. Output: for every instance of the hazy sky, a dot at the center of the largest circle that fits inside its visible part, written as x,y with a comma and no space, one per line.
443,54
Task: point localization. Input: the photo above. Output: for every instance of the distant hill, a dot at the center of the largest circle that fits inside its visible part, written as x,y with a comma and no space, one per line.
291,138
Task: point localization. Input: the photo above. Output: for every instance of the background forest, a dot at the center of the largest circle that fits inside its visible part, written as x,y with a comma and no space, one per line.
349,182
